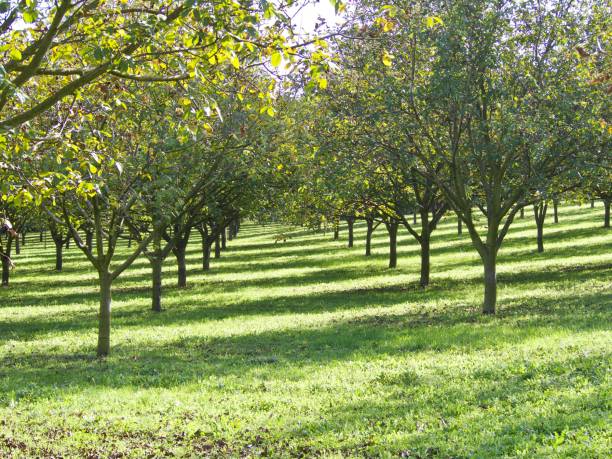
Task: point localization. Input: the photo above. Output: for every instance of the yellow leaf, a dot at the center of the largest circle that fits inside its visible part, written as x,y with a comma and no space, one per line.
387,58
323,83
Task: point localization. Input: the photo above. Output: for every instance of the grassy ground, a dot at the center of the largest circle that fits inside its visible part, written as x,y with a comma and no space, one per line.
307,348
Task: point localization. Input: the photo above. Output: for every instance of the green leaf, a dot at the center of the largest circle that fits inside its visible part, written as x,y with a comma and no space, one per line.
15,54
276,59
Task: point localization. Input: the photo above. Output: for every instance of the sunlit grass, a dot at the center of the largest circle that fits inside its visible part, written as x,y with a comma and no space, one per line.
308,348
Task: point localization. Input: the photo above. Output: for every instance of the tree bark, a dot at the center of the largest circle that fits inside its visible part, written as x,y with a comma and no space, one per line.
5,254
539,211
223,240
6,269
556,210
369,231
230,232
350,221
67,242
414,217
607,213
205,254
104,322
424,281
23,238
40,238
218,246
540,237
592,203
392,229
59,256
336,233
182,266
17,245
459,227
490,281
156,278
89,239
522,212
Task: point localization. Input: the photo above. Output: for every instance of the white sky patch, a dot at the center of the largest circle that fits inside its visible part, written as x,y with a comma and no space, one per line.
308,16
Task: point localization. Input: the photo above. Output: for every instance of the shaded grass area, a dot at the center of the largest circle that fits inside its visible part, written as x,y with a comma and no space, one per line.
307,348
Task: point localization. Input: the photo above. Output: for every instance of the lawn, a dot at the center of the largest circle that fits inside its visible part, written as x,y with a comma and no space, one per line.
309,349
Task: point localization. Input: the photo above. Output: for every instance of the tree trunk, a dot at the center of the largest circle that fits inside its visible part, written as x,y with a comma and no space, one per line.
540,236
218,247
23,238
205,254
369,231
607,213
6,262
414,217
392,229
59,257
490,281
459,227
182,266
223,240
592,203
230,232
539,211
104,319
156,290
67,242
522,212
129,241
17,245
6,269
41,236
336,233
556,210
89,239
424,281
350,222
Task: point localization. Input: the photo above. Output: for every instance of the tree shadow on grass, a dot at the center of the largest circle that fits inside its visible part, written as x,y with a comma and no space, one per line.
289,351
343,298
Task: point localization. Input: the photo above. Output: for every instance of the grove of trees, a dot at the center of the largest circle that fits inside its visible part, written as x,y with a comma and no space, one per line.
126,126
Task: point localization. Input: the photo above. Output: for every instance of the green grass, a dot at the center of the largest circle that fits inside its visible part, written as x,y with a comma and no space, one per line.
307,348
